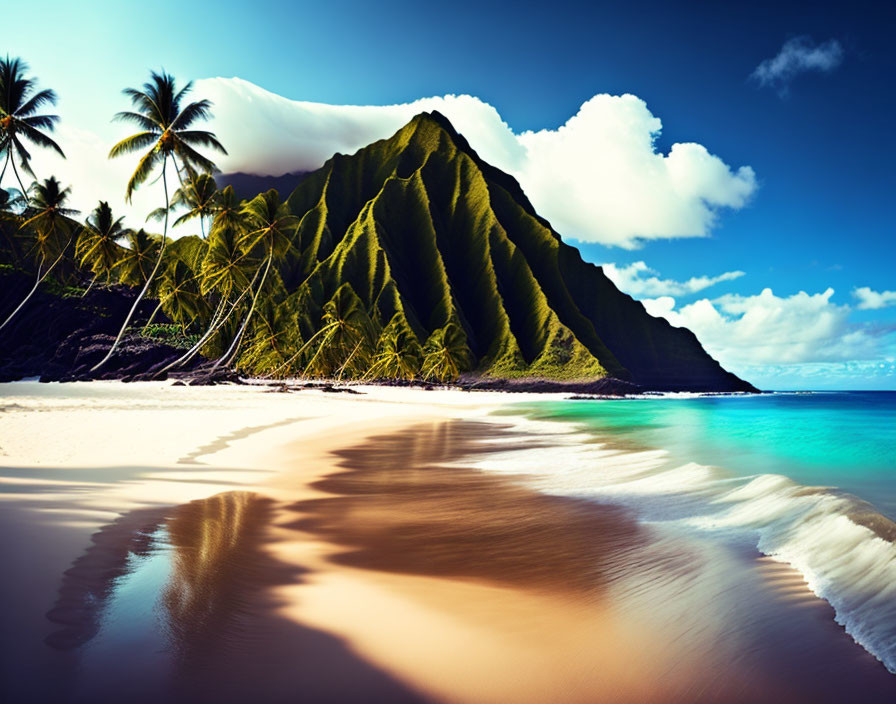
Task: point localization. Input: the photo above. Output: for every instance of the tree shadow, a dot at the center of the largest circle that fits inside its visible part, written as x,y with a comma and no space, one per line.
224,638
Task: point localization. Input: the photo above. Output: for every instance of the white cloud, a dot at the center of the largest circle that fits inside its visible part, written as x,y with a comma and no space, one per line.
874,300
798,55
744,331
639,280
597,178
94,177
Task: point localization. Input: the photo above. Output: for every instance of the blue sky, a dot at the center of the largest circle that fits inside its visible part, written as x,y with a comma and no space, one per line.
821,145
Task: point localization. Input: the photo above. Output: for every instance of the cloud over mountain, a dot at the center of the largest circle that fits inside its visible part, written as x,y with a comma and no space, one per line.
597,178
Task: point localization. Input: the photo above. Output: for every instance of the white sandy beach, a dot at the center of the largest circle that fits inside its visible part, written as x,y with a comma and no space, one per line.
337,547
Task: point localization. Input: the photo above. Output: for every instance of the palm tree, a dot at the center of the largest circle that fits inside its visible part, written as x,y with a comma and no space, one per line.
165,129
199,195
13,250
225,269
270,226
52,228
446,354
18,121
275,335
137,260
398,352
179,294
345,337
229,210
97,245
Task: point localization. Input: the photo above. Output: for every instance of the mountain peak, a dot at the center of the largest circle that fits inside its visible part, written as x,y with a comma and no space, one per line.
424,236
436,118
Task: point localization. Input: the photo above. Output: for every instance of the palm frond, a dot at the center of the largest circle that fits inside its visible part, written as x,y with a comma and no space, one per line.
142,121
44,97
142,102
39,138
24,155
191,157
201,138
183,92
141,140
200,110
45,122
144,168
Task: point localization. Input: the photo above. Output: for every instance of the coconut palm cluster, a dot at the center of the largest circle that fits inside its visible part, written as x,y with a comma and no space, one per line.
219,291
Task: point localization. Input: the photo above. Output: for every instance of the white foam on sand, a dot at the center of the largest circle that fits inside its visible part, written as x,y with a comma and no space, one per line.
809,528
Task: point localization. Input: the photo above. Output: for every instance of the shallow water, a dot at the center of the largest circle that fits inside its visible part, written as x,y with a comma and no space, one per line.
807,479
594,550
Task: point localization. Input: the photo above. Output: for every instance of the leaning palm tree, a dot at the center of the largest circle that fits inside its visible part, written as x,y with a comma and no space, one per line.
97,246
12,239
446,354
165,129
198,195
270,227
141,250
225,270
398,352
179,295
344,341
18,122
52,227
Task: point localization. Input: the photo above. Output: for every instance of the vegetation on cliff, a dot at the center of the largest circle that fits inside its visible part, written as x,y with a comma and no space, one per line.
410,259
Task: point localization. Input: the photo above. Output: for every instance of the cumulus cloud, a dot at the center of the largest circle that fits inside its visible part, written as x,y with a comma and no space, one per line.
797,56
639,280
764,329
874,300
597,178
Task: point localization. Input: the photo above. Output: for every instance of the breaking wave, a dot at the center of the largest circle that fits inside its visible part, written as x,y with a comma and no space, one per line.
844,549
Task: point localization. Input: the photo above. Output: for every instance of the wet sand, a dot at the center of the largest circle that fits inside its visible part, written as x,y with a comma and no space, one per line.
339,554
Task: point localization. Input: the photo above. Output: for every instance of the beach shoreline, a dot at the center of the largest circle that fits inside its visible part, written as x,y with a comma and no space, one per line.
351,550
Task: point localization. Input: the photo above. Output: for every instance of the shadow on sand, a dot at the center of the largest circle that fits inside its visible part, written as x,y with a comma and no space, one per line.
220,635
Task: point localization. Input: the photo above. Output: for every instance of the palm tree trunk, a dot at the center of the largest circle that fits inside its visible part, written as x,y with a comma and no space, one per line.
212,329
148,279
226,358
37,283
301,349
19,179
5,164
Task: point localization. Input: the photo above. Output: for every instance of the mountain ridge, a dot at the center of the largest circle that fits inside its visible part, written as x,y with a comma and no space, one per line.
425,232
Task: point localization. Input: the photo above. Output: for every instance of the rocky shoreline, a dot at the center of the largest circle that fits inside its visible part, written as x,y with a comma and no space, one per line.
60,336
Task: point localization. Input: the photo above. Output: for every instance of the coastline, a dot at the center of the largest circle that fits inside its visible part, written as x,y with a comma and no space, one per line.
353,551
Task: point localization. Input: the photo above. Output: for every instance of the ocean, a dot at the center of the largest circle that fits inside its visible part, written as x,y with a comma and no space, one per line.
805,479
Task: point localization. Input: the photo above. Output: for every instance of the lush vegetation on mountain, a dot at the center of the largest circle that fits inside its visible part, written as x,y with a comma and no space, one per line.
410,259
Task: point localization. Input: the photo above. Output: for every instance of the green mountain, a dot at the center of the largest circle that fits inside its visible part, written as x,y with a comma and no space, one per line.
418,235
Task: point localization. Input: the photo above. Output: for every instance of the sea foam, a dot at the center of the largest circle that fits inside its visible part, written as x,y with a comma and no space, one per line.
809,528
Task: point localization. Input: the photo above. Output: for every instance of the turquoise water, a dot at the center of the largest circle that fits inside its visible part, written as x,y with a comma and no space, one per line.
845,440
807,479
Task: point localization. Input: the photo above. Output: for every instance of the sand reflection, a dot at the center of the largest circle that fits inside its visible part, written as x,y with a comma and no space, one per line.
215,633
400,508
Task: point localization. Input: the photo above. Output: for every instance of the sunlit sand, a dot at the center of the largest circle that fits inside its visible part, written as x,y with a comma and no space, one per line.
228,543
